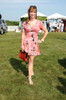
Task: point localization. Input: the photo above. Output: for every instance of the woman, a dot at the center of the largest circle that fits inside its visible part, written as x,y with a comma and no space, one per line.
29,41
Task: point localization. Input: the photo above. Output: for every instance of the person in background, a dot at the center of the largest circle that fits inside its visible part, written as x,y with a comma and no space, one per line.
29,39
48,26
62,26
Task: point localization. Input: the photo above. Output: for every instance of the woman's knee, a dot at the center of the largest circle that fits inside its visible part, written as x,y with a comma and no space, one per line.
31,59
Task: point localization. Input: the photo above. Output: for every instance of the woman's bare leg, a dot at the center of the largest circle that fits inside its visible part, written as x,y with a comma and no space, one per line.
32,64
30,68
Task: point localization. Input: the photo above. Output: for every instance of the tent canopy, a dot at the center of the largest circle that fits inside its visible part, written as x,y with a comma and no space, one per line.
56,16
38,14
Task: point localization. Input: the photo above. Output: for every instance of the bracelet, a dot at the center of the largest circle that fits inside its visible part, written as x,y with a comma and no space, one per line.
42,40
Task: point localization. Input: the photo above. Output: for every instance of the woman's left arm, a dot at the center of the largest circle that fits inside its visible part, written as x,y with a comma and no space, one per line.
45,34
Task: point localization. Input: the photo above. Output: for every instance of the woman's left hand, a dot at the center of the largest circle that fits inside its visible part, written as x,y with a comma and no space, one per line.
39,41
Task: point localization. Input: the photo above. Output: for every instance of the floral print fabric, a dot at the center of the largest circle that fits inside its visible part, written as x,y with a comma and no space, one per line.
31,45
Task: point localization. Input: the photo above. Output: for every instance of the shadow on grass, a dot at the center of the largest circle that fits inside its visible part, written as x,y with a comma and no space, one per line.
62,88
17,65
62,38
63,62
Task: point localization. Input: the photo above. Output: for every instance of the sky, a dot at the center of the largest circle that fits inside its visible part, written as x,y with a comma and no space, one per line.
13,9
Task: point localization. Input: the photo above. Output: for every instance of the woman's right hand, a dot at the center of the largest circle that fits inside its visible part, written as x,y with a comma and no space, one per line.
39,41
22,47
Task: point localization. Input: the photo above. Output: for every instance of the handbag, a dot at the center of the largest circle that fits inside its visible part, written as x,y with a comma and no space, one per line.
23,55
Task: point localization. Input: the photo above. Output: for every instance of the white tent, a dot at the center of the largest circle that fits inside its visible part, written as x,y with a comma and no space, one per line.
38,14
56,16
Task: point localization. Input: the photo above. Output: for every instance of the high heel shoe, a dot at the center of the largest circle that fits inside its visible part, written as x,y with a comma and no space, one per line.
30,81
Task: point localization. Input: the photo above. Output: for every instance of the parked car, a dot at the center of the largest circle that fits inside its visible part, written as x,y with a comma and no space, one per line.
3,26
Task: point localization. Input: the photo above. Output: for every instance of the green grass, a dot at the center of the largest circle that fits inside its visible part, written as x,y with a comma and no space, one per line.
49,68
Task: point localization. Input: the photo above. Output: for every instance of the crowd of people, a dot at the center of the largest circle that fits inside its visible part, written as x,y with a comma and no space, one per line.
60,26
55,26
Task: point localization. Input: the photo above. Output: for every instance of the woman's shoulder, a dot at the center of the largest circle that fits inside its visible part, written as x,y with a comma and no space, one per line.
23,23
39,21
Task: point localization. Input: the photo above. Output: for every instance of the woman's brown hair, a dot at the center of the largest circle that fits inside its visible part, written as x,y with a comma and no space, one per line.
31,8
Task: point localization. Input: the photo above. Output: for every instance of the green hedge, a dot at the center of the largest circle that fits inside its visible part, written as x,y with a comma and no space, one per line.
39,18
12,23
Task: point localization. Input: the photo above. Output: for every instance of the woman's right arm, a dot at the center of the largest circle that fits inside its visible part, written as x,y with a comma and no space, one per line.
22,39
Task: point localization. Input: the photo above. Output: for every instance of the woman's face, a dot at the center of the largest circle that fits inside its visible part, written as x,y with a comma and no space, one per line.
32,14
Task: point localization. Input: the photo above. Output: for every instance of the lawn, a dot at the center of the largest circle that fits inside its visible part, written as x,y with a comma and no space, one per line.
49,67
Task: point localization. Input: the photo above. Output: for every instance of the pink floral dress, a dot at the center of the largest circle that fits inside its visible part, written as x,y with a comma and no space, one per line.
31,45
